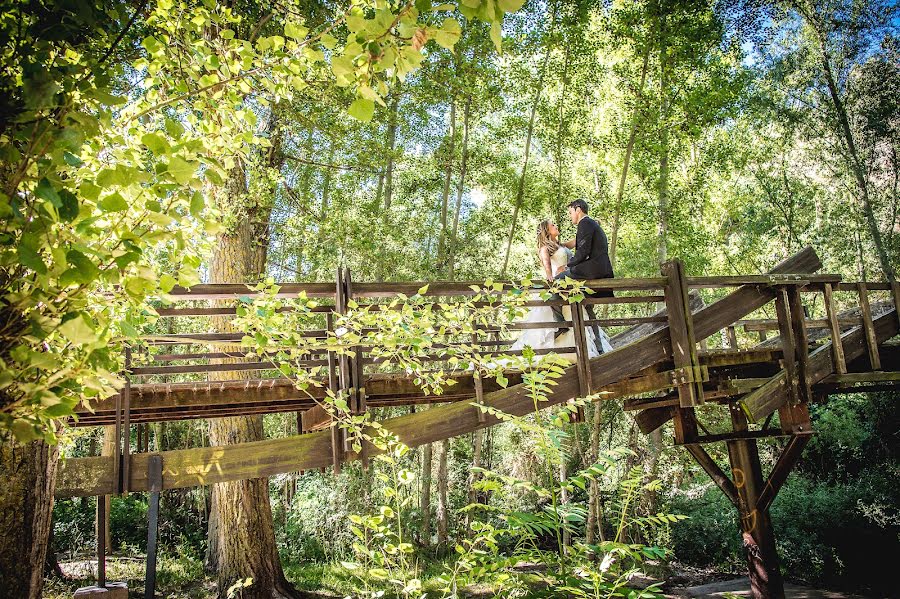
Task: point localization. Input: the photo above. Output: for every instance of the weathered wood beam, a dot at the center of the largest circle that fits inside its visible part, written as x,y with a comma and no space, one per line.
783,467
768,398
714,471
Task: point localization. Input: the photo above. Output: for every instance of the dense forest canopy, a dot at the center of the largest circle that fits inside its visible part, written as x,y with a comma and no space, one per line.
173,142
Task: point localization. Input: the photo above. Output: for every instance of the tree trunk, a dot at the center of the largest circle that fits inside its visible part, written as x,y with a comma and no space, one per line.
445,197
594,489
663,139
108,449
477,447
241,527
856,163
391,146
443,507
28,473
520,187
629,149
563,501
425,496
454,238
561,129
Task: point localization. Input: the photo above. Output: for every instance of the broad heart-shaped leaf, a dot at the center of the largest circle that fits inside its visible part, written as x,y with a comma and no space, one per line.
78,330
155,143
510,5
82,270
448,34
45,191
182,170
362,109
68,209
114,202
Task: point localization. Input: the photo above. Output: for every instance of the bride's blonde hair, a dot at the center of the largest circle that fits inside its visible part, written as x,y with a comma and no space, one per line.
544,239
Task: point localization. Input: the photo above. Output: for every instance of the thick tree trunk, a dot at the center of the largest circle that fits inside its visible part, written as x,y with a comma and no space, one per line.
520,187
445,196
109,449
28,473
241,528
425,495
454,238
443,507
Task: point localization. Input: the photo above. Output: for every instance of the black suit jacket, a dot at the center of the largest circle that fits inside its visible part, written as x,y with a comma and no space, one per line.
591,259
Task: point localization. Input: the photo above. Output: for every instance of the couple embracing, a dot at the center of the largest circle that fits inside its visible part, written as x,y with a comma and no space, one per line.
590,261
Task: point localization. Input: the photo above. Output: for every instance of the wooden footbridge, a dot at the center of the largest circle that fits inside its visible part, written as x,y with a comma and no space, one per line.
741,369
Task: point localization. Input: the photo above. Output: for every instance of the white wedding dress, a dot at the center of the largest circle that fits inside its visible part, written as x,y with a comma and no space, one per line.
546,338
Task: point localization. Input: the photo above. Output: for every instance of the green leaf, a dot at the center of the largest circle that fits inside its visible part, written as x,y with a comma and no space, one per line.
68,210
167,282
294,31
181,170
448,34
78,330
510,5
82,270
362,109
155,143
29,257
497,35
197,204
45,191
114,202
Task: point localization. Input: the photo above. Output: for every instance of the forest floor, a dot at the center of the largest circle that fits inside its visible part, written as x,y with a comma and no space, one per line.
183,577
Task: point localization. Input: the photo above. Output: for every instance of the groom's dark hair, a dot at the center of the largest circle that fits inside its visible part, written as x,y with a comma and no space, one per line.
579,203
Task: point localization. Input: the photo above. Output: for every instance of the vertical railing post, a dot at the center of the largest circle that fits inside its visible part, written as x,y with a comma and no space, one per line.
868,326
837,346
338,374
355,364
154,479
479,384
583,366
101,541
126,425
786,333
684,351
794,416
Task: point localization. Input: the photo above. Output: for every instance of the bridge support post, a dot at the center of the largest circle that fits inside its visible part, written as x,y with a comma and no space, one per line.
763,566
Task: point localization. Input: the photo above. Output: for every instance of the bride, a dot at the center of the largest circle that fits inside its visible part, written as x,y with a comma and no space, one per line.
552,256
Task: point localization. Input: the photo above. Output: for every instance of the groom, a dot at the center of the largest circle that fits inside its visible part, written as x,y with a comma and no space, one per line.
591,260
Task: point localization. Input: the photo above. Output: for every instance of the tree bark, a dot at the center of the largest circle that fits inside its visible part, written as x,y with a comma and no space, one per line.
445,196
425,495
477,448
520,187
108,449
856,163
443,507
28,472
663,198
391,146
460,188
629,149
242,533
